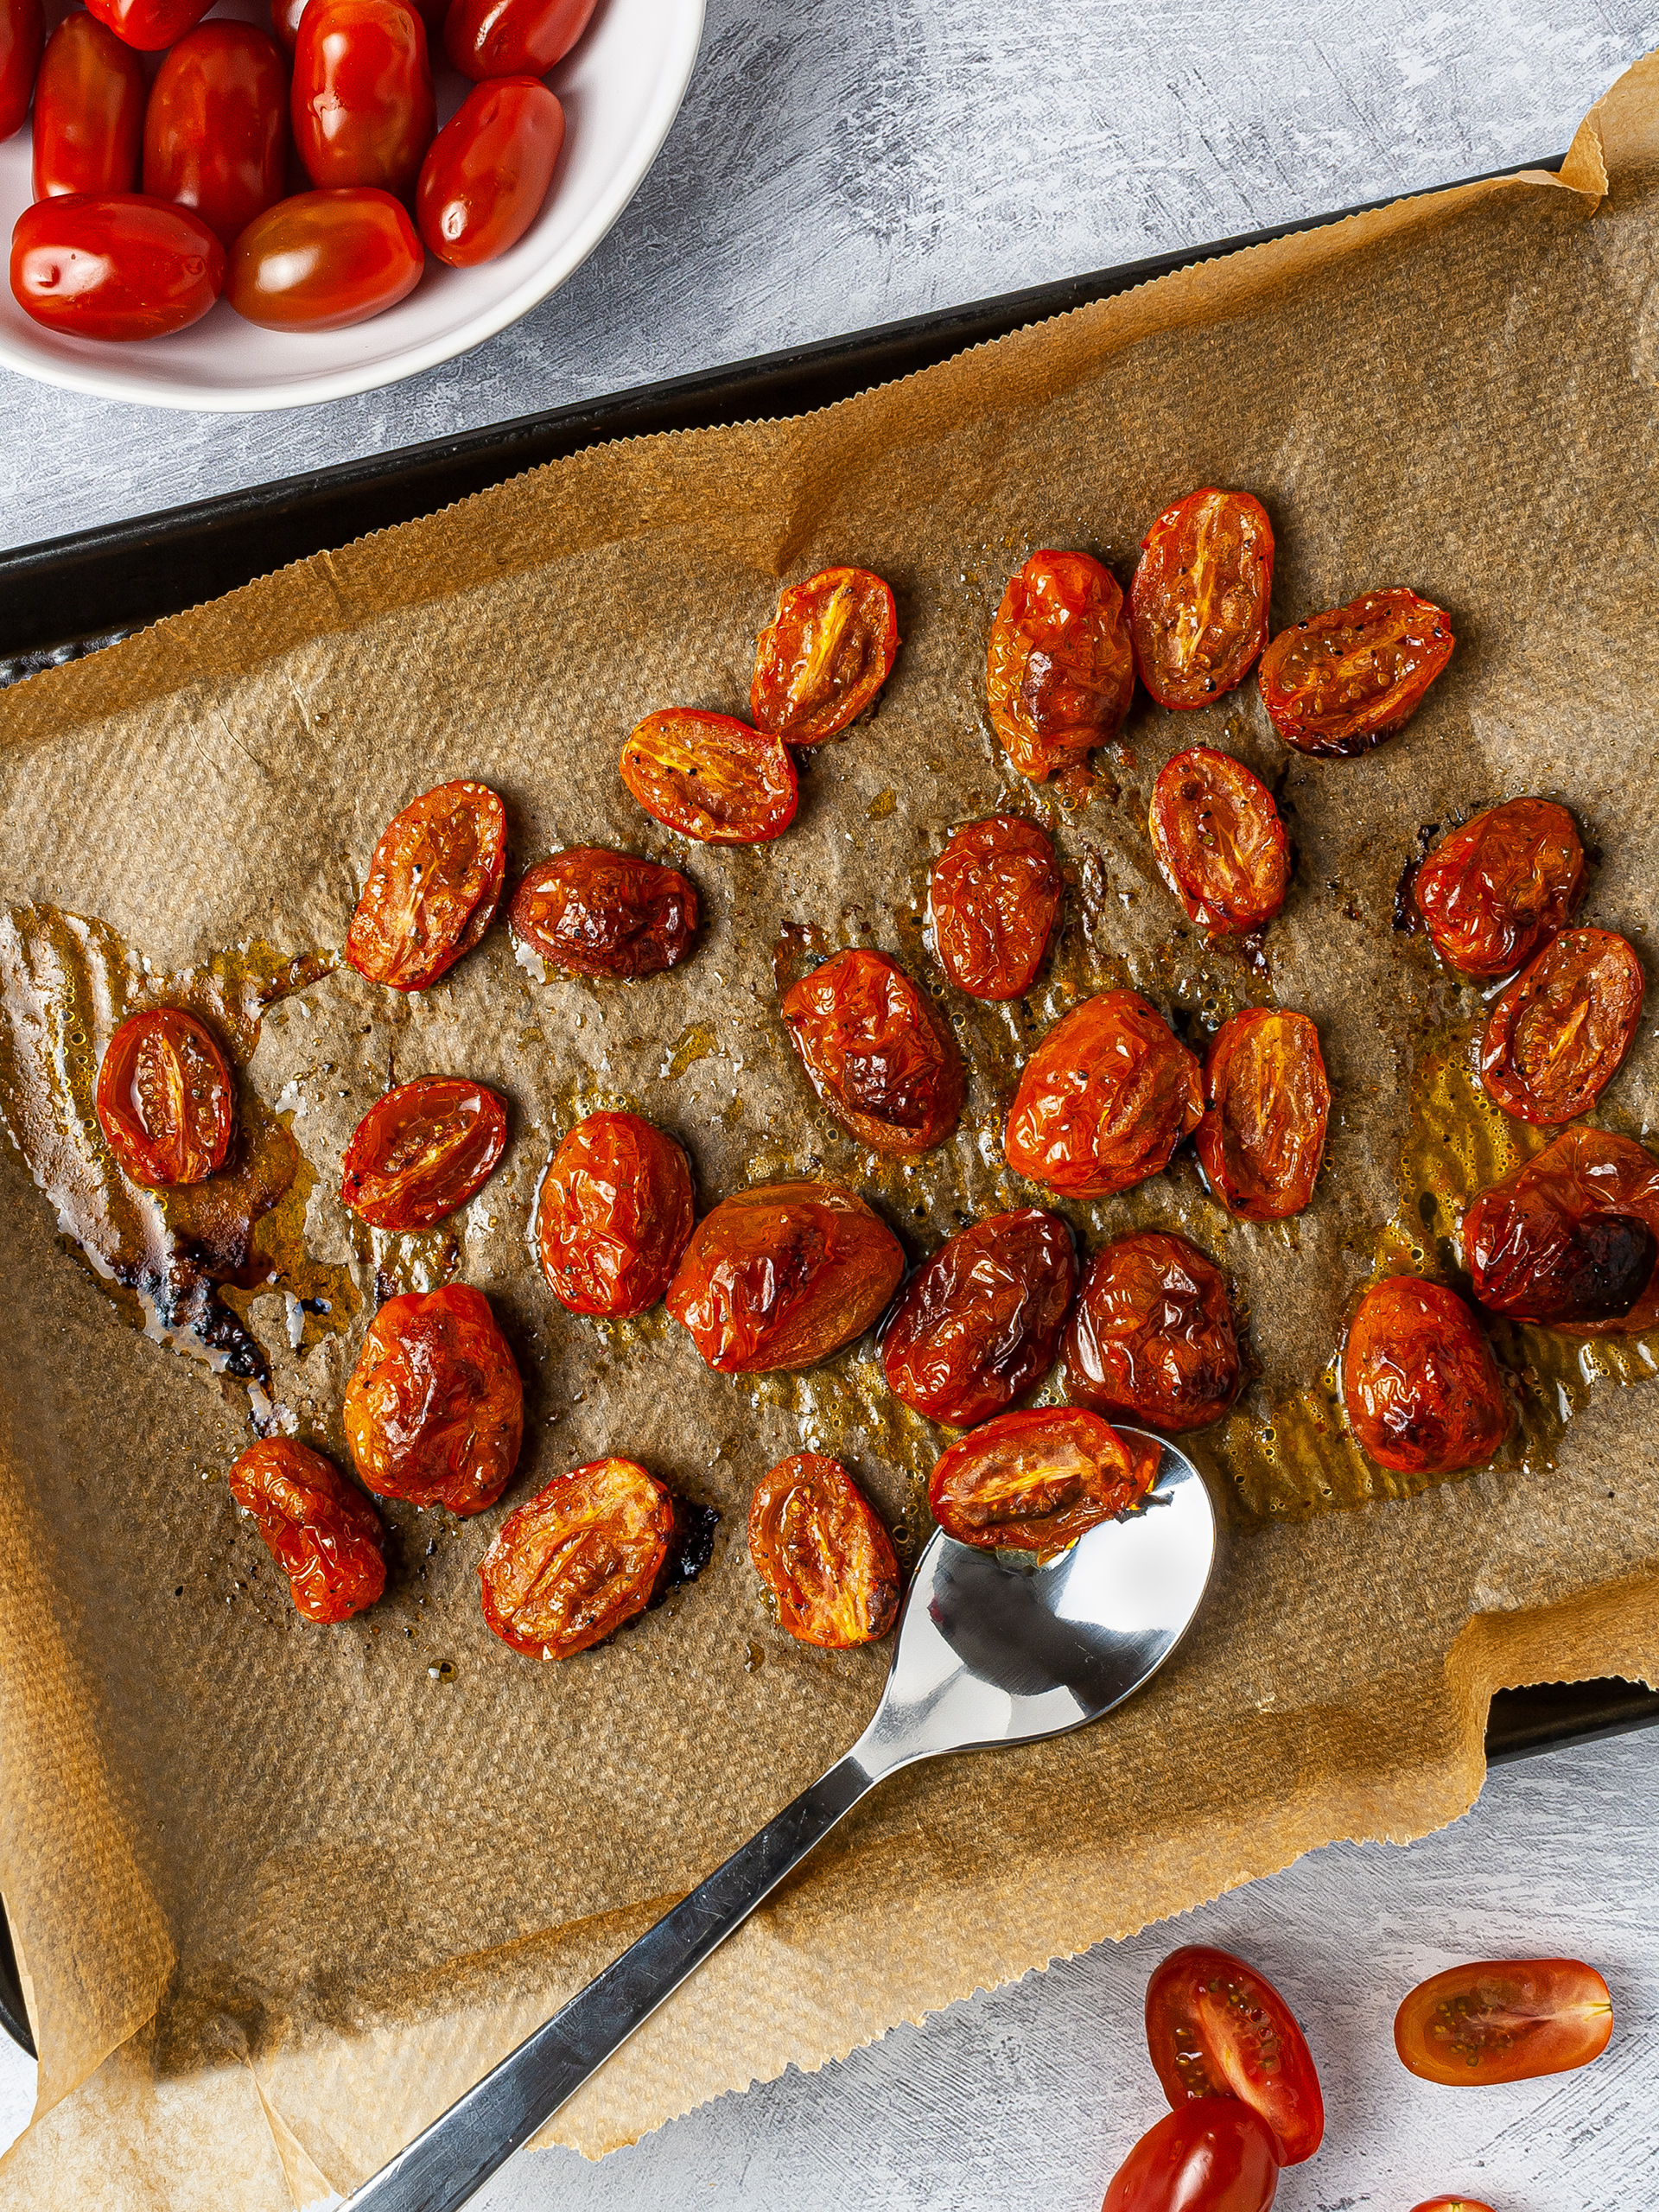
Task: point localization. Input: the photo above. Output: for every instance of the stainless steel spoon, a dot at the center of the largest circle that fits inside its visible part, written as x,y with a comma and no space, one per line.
987,1653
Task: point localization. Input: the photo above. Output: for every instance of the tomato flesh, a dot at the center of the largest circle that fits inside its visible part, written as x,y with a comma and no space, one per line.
1218,841
601,913
149,25
1267,1104
435,1410
1036,1481
324,1535
825,654
165,1100
874,1051
216,127
489,170
1503,2020
1105,1099
512,38
1217,2156
980,1324
422,1151
1493,893
1198,603
1059,671
613,1215
22,38
324,260
1564,1028
1152,1337
816,1544
711,777
1216,2028
1340,682
1422,1391
1571,1237
576,1561
433,883
993,899
89,112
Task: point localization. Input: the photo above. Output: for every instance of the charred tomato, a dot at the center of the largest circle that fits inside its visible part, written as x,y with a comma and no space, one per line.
165,1100
979,1323
1059,671
1152,1337
1218,841
435,1410
1503,2020
1266,1103
613,1215
323,1534
1036,1481
596,912
1493,893
711,777
434,884
422,1151
1340,682
1198,603
1105,1099
1423,1393
1571,1237
1216,2028
880,1058
826,652
1564,1028
1217,2156
819,1548
574,1562
994,898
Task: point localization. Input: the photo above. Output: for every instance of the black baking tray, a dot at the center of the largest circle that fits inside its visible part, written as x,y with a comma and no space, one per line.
68,596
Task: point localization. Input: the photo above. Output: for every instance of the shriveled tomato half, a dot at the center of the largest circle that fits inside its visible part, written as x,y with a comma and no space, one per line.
1216,2028
570,1565
1218,2156
882,1061
1152,1337
1571,1237
1564,1028
1036,1481
1267,1104
993,899
324,1535
711,777
422,1151
603,914
1059,671
1493,893
980,1323
1338,683
165,1100
819,1548
1503,2020
1105,1099
826,653
434,885
1423,1393
1198,603
435,1410
613,1215
1218,841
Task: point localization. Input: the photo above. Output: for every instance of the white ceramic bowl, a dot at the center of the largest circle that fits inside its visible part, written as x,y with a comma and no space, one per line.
621,86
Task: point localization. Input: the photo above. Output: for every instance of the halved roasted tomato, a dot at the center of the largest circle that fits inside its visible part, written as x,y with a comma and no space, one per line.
571,1564
1493,892
1564,1028
1151,1338
1571,1237
994,898
882,1061
434,883
613,1215
711,777
1198,603
595,912
1266,1104
825,654
165,1099
1338,683
1059,671
819,1548
1036,1481
1503,2020
1105,1099
1423,1393
422,1151
324,1535
1216,2028
435,1410
980,1322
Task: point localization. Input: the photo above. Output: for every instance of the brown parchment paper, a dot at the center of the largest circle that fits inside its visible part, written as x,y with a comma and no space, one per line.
279,1893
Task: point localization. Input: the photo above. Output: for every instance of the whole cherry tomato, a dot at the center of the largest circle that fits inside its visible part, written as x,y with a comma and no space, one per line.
1266,1103
361,103
994,898
324,1536
433,883
1218,841
1338,683
820,1550
1564,1028
981,1322
1216,2028
1105,1099
435,1410
1036,1481
1215,2156
216,127
1059,671
1571,1237
150,25
488,172
118,267
285,20
512,38
711,777
600,913
571,1564
165,1099
1422,1391
1452,2204
323,261
1503,2020
89,111
1152,1336
422,1151
828,650
613,1215
22,35
1493,893
782,1275
882,1061
1198,603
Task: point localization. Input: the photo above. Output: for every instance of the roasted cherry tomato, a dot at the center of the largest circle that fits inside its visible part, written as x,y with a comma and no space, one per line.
435,1411
422,1151
1503,2020
165,1102
1198,603
1036,1481
323,1534
1563,1029
1216,2028
994,898
512,38
1215,2156
1105,1099
361,103
820,1550
613,1215
603,914
89,111
1266,1105
782,1275
828,650
216,127
1338,683
1059,671
1218,841
120,267
488,172
433,886
149,25
22,36
1571,1238
875,1051
1152,1336
574,1562
981,1322
1423,1393
324,260
711,777
1494,892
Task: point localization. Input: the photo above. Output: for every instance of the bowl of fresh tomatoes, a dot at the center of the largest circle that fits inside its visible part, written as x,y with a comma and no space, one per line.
275,202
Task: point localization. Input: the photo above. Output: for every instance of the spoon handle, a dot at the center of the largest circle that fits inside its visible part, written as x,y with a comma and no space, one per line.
442,2168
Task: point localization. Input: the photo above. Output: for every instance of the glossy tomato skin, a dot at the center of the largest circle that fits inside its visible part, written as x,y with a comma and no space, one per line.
875,1051
435,1410
783,1275
422,1151
512,38
825,654
1215,2156
1216,2028
165,1099
993,899
1493,892
1058,671
488,172
816,1544
1452,2204
1036,1481
1267,1105
1503,2020
361,104
1564,1028
979,1323
118,267
149,25
596,912
1340,682
711,777
1571,1237
323,1534
1218,841
1198,603
576,1561
22,37
324,261
433,883
89,111
1423,1393
216,127
1105,1099
613,1215
1152,1338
